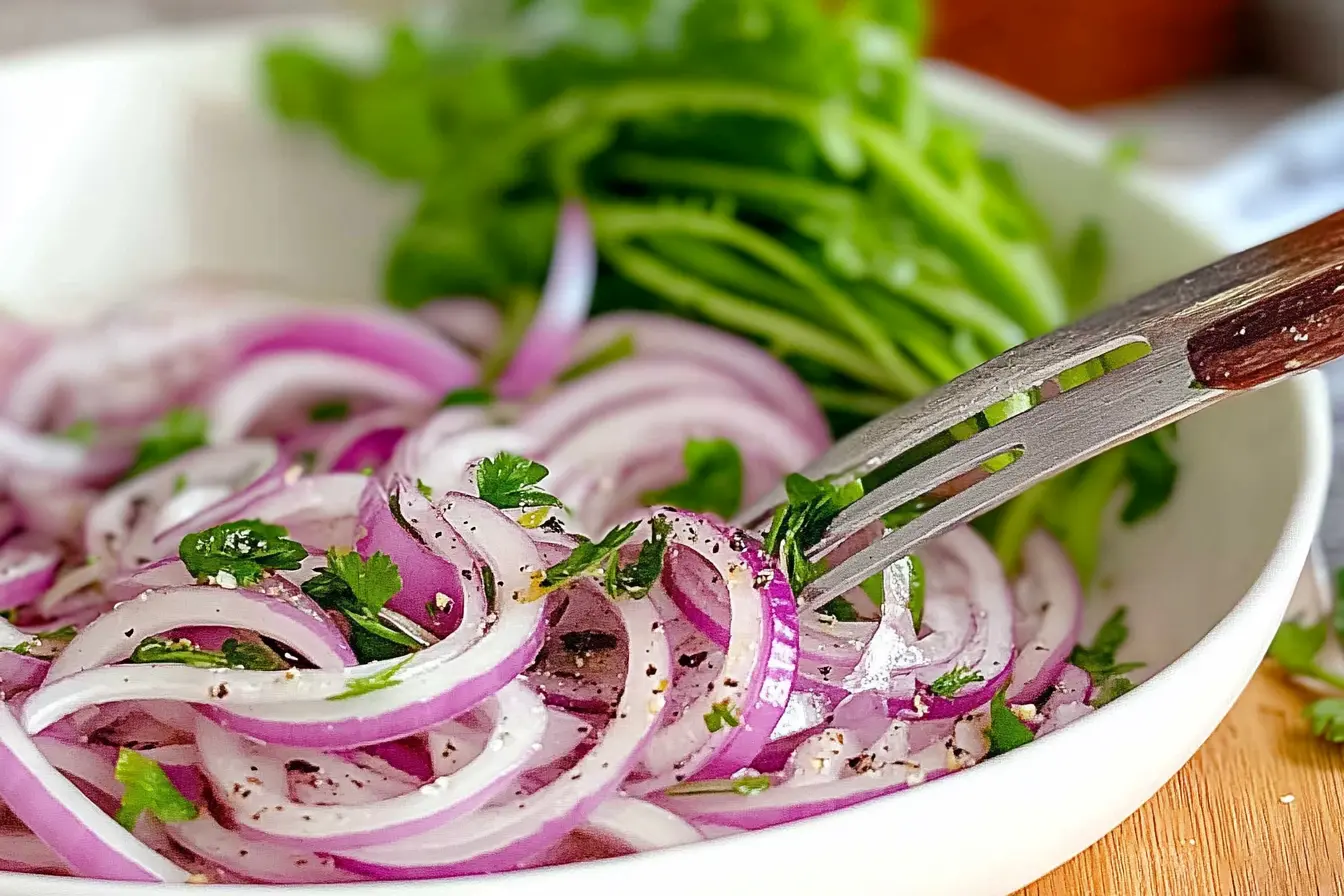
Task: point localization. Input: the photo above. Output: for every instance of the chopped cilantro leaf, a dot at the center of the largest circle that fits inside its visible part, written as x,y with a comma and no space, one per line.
242,551
950,683
840,610
623,346
81,432
233,654
424,489
357,687
180,431
872,586
1337,618
1295,647
471,395
633,581
1124,152
359,589
721,714
148,789
509,481
329,412
1098,660
746,785
534,518
713,482
588,557
1327,718
43,645
799,525
1006,731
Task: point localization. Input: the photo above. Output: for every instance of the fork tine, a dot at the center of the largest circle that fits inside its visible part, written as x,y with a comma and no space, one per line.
1079,424
1014,372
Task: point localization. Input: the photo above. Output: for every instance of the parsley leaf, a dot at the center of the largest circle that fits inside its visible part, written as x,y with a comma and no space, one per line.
950,683
357,687
1099,661
148,789
469,395
1327,718
1006,731
1295,647
329,412
799,525
233,654
746,785
1151,472
359,589
623,346
713,481
424,489
721,714
633,581
509,481
242,551
588,557
180,431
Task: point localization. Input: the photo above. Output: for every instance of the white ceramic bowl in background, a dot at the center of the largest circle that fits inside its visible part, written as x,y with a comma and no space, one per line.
126,163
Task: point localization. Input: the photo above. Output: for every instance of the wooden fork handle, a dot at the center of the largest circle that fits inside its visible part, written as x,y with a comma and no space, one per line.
1294,320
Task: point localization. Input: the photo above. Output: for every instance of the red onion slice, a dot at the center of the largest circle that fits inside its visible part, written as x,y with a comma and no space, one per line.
505,837
550,340
27,569
255,860
319,512
757,674
293,620
474,324
1049,591
641,826
87,839
397,345
519,722
660,336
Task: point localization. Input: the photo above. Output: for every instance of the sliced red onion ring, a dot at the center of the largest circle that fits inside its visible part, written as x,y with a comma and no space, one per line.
549,344
289,383
255,860
619,386
293,620
519,725
397,345
1048,592
439,573
18,671
27,569
660,336
755,681
23,853
641,826
366,440
90,842
318,511
474,324
506,836
130,526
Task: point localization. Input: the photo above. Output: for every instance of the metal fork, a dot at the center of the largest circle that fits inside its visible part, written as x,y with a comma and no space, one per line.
1244,322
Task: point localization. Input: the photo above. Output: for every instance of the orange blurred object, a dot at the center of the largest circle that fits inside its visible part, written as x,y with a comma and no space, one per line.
1084,52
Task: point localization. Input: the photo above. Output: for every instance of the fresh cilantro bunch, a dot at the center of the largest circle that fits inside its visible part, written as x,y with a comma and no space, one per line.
771,167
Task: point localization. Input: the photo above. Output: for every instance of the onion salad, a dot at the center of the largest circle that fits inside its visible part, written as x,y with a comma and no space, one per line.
299,594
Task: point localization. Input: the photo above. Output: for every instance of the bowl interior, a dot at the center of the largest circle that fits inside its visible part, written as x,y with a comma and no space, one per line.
130,163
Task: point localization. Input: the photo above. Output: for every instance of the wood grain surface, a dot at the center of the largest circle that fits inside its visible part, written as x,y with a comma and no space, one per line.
1259,811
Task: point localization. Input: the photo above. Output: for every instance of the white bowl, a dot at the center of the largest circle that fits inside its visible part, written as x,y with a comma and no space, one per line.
129,162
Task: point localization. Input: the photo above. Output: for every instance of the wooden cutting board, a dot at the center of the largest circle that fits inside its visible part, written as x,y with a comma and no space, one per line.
1259,810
